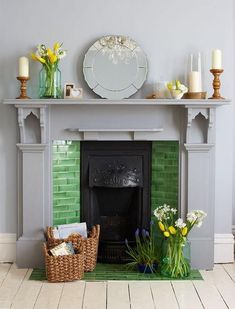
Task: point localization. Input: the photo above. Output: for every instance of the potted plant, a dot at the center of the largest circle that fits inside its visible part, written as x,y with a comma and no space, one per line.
175,231
177,89
144,255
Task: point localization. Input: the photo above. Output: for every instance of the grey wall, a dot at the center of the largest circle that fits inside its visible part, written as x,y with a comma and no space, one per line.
167,30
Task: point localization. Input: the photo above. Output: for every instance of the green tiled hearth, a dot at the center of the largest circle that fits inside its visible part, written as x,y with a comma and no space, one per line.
165,171
66,182
66,178
105,272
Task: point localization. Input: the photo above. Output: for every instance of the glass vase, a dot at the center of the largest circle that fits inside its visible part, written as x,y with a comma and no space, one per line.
50,83
176,258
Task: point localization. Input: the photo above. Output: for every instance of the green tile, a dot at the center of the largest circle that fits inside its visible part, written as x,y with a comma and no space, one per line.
66,182
165,166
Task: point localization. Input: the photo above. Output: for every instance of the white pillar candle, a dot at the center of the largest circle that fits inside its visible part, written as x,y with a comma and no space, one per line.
217,59
194,81
23,67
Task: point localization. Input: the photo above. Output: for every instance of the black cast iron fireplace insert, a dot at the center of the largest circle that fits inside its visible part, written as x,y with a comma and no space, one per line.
115,193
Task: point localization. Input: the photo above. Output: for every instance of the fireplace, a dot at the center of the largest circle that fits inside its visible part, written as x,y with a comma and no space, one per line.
115,193
190,122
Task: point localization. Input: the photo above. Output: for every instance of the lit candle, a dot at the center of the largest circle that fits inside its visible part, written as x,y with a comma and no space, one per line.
23,67
194,81
217,59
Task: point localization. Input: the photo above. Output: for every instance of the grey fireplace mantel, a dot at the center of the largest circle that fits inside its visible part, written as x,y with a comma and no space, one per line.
191,122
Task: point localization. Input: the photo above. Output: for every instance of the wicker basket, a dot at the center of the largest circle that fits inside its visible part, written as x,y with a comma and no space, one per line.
90,245
64,268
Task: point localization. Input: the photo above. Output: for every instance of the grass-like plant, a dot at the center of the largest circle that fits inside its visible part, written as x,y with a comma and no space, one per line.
145,252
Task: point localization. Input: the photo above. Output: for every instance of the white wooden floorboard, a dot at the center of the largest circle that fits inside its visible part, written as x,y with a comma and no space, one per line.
186,295
163,295
4,268
230,269
95,295
217,291
49,296
209,295
27,294
72,295
10,285
224,284
118,295
141,295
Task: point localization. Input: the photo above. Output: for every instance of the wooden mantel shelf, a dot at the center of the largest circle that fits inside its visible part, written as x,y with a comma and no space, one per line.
145,102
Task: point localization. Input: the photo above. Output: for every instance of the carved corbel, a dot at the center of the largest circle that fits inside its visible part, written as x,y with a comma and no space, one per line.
42,125
192,113
21,124
211,126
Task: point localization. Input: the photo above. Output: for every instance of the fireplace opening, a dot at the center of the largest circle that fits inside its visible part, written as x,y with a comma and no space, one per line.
115,193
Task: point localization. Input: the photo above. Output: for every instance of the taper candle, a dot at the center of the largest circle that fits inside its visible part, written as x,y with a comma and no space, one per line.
216,59
23,67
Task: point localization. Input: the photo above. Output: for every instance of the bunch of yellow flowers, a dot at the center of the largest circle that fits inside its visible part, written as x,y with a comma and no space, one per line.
170,226
48,56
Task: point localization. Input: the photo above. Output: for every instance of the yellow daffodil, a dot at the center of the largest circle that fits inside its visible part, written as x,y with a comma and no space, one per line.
49,52
166,234
56,46
52,57
161,226
38,58
172,230
184,231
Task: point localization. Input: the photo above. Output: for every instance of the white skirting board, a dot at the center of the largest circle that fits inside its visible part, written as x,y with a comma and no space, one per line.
224,248
7,247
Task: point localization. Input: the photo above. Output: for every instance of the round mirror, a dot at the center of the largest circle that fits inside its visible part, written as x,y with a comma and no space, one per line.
115,67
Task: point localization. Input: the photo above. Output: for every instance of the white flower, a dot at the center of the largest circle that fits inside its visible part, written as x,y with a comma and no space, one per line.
191,217
174,210
180,223
196,217
62,54
162,212
183,88
199,224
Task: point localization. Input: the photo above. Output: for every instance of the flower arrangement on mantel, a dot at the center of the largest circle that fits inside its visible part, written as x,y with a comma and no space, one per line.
175,231
50,76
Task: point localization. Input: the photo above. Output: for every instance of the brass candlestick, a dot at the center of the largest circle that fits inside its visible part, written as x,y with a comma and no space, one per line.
23,87
216,84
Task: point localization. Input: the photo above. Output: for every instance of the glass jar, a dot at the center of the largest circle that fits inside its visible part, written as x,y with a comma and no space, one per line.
50,83
195,73
175,261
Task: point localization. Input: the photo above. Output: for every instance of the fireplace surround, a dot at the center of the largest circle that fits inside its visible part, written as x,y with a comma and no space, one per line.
191,122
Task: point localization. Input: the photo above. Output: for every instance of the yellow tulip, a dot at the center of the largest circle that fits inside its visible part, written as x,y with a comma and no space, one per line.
49,52
53,58
172,230
161,226
166,234
184,231
38,58
56,46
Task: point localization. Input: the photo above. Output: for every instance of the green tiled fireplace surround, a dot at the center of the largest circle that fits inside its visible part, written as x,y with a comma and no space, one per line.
66,178
66,182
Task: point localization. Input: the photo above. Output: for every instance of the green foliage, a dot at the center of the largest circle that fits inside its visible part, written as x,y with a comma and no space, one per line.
145,252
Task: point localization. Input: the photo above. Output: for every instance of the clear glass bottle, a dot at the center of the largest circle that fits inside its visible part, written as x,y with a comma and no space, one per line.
50,83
